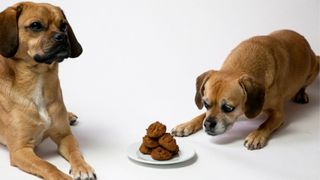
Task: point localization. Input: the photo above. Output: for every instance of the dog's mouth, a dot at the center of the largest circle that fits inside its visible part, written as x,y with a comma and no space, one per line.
54,54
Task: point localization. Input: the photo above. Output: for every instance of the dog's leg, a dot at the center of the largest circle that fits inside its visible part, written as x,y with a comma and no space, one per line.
301,97
72,118
28,161
69,149
189,127
258,138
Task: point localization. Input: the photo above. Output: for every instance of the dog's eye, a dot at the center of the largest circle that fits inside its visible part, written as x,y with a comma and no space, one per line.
206,105
64,27
36,26
227,108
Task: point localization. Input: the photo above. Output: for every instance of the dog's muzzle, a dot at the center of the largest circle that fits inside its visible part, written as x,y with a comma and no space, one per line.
58,52
214,127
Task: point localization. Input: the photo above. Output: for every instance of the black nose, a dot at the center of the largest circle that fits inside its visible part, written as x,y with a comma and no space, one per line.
59,37
210,124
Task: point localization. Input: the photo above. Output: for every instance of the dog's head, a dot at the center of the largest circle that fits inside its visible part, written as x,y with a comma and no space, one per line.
226,97
37,33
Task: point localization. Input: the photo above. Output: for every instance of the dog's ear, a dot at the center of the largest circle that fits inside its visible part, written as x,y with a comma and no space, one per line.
200,82
254,93
76,48
9,33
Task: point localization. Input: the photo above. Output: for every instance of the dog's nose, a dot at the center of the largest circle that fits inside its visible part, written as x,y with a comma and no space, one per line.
59,37
210,124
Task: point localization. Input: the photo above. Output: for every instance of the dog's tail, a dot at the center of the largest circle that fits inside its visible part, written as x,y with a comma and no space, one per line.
314,72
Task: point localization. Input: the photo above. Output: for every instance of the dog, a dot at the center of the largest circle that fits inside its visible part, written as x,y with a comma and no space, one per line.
34,39
259,75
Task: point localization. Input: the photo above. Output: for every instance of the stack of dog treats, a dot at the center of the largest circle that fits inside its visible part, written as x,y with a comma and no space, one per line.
159,144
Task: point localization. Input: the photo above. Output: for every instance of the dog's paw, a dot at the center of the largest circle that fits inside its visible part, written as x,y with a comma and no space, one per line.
184,129
301,97
83,172
255,140
72,119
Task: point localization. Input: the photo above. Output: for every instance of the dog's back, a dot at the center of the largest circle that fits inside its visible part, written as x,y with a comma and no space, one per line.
301,56
283,56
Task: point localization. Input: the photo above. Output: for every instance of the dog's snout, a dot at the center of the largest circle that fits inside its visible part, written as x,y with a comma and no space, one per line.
59,37
210,124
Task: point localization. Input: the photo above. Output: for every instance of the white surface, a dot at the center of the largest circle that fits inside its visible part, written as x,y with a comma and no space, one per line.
186,153
139,65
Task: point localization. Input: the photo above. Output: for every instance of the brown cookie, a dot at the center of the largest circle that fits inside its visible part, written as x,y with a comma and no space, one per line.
161,154
150,142
167,141
156,130
176,151
144,149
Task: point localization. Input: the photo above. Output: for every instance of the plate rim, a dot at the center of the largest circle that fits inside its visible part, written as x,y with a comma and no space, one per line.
133,150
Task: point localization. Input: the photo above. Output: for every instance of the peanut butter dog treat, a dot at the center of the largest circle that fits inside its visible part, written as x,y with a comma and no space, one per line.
144,149
156,130
159,144
167,141
161,154
150,142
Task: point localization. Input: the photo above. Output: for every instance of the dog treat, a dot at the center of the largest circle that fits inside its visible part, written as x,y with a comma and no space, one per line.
156,130
167,141
161,154
159,144
144,149
150,142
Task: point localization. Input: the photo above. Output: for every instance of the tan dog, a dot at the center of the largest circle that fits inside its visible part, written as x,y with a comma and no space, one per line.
34,38
259,75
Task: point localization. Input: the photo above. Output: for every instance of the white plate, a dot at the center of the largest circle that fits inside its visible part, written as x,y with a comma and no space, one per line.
186,152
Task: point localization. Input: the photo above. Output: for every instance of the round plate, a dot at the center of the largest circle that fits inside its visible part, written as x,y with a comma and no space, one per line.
186,152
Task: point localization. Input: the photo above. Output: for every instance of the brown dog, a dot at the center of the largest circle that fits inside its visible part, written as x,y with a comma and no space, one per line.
34,38
259,75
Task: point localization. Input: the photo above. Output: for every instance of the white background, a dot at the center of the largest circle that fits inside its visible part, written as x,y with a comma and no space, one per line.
139,65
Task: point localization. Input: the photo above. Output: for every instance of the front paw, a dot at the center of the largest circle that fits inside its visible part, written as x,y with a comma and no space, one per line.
255,140
82,172
184,129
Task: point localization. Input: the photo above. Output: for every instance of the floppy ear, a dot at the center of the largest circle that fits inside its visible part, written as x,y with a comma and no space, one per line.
254,93
200,82
9,33
76,48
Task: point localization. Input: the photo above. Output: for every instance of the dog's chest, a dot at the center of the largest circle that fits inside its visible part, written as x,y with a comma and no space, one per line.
39,102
